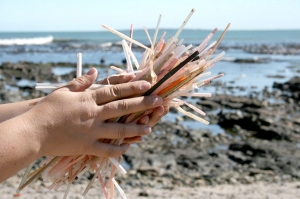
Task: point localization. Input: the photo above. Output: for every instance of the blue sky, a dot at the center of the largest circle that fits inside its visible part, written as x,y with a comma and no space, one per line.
88,15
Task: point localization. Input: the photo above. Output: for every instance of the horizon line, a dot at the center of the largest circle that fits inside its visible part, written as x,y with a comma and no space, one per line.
140,29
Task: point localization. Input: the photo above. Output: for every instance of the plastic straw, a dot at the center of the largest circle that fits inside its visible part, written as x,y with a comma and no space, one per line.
79,65
155,33
128,60
49,86
119,189
124,36
184,23
118,165
147,33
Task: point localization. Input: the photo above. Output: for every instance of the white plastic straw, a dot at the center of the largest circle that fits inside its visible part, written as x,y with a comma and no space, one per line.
29,167
79,65
184,23
147,33
128,60
124,36
197,94
184,50
49,86
191,115
216,58
118,165
180,42
119,189
136,63
207,48
155,33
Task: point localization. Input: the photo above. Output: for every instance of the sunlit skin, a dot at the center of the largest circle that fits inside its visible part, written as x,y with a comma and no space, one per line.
70,122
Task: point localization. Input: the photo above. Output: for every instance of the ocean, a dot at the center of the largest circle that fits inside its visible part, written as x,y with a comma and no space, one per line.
253,59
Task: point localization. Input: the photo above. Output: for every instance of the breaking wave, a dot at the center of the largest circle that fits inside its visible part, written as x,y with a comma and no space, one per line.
26,41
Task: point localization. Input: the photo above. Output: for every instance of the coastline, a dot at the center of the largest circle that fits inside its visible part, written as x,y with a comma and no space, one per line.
256,154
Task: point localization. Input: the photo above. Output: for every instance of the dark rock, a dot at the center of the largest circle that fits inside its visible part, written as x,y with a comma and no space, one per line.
208,105
143,194
239,157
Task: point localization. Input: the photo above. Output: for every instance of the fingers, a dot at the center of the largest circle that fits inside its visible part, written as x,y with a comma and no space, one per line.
120,91
157,114
121,131
133,140
143,120
133,105
82,83
107,150
117,79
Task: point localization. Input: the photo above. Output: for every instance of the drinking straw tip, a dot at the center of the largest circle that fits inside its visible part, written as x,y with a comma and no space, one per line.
215,30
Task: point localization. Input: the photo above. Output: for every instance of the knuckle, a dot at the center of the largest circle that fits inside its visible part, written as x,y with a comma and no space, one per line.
116,91
121,131
80,80
124,106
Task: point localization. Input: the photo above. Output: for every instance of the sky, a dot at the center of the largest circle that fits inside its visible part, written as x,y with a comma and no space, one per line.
88,15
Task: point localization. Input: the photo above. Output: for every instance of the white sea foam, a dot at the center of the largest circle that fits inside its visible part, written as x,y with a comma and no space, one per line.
26,41
107,44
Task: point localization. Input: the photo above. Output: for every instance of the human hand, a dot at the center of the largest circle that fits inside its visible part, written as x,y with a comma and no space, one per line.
152,119
72,123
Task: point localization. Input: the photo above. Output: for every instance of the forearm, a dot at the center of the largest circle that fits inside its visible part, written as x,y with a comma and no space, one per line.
18,147
8,111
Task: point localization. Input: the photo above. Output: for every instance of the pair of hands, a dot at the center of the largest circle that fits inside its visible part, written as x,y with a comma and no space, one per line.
71,122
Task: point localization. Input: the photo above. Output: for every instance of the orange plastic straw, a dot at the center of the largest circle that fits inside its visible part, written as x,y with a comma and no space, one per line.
173,84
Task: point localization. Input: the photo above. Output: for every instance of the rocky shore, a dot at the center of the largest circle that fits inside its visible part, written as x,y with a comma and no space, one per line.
68,46
260,142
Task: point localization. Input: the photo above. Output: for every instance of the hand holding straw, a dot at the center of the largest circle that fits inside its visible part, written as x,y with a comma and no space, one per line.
178,70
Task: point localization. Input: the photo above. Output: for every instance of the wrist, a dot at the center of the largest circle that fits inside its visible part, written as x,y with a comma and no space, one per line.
31,134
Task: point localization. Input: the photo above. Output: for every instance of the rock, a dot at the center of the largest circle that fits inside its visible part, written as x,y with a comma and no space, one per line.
252,60
239,157
144,194
208,105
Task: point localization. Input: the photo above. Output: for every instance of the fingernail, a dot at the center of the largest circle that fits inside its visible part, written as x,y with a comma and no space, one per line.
157,100
91,71
147,129
145,86
161,111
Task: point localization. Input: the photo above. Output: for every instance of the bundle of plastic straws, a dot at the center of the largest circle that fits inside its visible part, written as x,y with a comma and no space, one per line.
172,68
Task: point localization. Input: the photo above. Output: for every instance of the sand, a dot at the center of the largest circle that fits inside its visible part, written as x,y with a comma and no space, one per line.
260,190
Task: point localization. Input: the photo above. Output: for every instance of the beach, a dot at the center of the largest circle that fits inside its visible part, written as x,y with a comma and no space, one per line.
249,142
259,190
250,149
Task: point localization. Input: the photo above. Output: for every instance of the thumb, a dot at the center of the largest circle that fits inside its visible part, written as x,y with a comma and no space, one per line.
83,82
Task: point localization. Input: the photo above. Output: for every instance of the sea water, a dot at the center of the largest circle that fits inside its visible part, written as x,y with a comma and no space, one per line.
63,46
